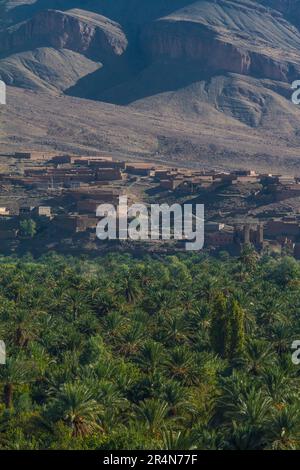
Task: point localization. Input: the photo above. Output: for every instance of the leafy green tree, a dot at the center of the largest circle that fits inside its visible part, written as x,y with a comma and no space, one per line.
28,228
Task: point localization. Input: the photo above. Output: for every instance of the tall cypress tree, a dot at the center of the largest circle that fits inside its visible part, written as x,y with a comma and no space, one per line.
227,327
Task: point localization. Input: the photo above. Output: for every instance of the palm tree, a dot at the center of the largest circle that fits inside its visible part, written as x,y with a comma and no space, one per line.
103,301
283,431
24,326
76,406
248,259
278,385
188,299
152,413
281,336
252,408
41,360
15,372
75,302
130,288
175,394
5,443
257,356
129,341
208,438
244,437
175,329
63,372
115,405
178,440
181,365
151,356
114,323
270,310
160,302
206,286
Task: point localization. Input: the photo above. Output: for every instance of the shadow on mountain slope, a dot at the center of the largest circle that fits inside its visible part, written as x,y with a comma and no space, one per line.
111,85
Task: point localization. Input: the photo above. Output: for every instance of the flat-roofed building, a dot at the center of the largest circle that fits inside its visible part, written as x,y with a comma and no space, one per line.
251,173
140,169
75,223
4,212
34,155
276,228
214,226
88,206
106,164
170,184
94,193
108,174
219,238
43,211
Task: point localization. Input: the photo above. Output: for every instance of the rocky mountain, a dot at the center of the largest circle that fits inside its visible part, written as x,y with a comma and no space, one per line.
54,49
217,72
76,30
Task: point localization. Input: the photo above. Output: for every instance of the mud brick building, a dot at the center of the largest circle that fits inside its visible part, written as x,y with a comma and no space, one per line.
170,184
43,211
286,192
106,164
253,234
140,169
222,238
88,206
94,193
109,174
34,155
4,211
278,228
71,224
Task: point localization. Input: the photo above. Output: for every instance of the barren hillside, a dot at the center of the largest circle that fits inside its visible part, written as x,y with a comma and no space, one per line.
203,82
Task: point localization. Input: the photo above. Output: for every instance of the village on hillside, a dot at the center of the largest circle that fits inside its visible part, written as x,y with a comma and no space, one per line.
49,201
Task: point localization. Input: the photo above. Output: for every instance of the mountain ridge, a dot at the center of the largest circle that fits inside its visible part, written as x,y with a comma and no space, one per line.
228,62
